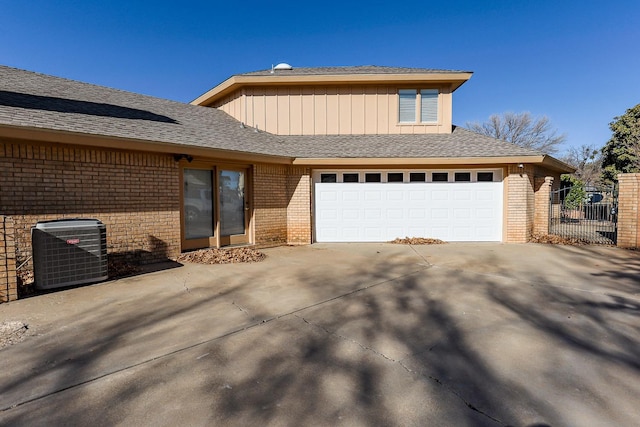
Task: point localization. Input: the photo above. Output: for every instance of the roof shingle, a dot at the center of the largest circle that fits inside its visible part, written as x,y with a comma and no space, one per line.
33,100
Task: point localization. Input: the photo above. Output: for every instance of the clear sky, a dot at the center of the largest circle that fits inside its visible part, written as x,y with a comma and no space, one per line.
578,62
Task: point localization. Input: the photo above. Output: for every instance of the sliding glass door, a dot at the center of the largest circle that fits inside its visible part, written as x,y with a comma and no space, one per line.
215,208
233,207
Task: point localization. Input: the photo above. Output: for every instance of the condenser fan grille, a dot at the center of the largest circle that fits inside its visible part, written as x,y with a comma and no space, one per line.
69,252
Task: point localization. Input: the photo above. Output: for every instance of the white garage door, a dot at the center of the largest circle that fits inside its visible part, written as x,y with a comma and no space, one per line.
380,212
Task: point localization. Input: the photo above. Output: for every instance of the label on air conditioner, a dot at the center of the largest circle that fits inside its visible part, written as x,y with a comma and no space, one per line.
73,241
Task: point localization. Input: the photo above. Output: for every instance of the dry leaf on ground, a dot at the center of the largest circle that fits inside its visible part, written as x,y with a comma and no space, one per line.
222,256
417,241
557,240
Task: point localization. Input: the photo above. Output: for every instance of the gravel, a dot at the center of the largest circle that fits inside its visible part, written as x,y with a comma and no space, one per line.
12,332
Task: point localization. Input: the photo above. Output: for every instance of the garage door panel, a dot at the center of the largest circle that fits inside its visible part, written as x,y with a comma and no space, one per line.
350,196
372,196
417,195
373,212
440,195
439,213
329,215
462,213
350,214
417,213
395,214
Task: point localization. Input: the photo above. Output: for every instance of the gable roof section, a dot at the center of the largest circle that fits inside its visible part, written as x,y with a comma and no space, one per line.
55,109
368,74
45,108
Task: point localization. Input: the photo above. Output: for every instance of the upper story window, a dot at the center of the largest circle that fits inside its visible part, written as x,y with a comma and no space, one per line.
410,99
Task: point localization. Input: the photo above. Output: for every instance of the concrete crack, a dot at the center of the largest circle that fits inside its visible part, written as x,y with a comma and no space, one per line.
463,400
242,309
422,257
342,337
401,364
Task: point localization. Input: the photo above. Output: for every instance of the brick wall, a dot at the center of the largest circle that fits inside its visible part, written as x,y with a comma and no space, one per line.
8,278
629,210
520,204
270,202
135,194
542,201
282,205
299,208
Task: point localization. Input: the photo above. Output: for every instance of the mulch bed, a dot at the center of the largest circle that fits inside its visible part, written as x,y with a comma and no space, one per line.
222,256
417,241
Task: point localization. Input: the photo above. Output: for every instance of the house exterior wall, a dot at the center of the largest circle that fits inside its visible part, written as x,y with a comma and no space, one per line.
135,194
8,278
331,110
542,197
299,226
520,203
527,194
629,210
270,204
281,205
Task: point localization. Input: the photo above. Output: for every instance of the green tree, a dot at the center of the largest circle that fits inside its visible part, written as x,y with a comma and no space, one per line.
621,154
521,129
577,194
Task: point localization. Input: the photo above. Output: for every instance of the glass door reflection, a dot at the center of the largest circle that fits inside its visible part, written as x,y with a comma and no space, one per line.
198,204
232,204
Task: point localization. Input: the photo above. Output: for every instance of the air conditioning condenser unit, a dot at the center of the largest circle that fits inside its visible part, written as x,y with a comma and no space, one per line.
69,252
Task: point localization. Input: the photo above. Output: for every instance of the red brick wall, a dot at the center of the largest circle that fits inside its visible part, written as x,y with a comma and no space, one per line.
8,278
629,210
135,194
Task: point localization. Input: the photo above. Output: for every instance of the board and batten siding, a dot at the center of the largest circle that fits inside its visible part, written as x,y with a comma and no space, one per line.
334,110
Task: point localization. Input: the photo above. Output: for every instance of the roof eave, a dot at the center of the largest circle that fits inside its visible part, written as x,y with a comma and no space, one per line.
557,165
371,161
454,79
23,133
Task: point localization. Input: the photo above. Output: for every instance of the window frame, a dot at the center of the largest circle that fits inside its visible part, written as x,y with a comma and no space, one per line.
420,99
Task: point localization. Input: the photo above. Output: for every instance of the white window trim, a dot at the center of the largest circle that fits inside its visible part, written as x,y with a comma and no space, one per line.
418,106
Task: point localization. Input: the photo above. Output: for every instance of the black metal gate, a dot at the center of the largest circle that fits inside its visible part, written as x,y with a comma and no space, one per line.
588,214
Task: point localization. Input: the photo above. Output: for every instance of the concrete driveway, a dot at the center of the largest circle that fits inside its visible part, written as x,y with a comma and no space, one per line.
340,334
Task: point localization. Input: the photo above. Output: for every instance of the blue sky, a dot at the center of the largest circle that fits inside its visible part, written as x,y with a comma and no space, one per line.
575,61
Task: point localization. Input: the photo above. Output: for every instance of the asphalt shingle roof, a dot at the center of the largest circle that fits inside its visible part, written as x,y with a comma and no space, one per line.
360,69
33,100
460,143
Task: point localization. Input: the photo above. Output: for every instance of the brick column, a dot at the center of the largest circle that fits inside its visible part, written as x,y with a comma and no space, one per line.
8,277
629,210
299,208
519,203
542,200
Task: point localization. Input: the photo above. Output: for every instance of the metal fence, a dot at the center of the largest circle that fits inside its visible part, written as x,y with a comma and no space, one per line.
588,214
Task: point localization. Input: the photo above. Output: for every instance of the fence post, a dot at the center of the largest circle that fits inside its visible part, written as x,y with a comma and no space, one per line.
629,210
